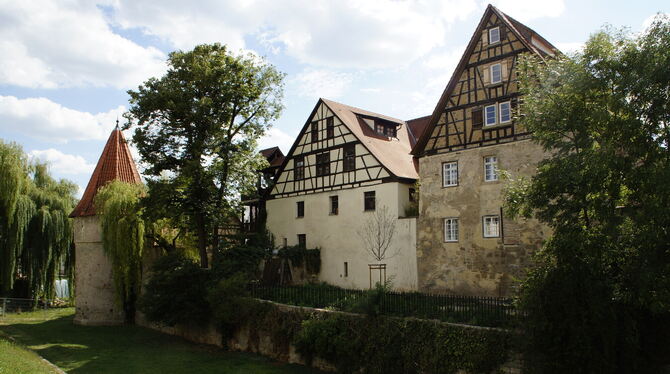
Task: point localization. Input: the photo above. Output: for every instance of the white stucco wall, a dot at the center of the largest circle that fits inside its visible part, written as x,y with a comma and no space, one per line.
337,235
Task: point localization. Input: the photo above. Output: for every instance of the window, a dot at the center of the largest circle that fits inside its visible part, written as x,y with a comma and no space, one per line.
302,241
451,229
412,195
334,205
496,73
490,115
285,242
491,168
322,164
346,269
315,132
330,127
369,200
505,112
300,209
299,172
379,128
491,226
390,131
450,174
349,157
494,35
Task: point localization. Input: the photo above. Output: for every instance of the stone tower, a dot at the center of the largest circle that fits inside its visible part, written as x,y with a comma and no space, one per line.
94,286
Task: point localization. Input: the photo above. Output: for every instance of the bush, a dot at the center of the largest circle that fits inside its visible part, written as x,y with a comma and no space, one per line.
298,255
238,258
176,292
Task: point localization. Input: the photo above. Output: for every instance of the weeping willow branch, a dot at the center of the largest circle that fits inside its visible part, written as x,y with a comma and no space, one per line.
117,205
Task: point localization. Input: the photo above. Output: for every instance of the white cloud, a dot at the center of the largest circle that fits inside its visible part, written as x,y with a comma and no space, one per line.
62,163
43,119
526,10
346,33
313,83
50,44
570,47
277,138
444,61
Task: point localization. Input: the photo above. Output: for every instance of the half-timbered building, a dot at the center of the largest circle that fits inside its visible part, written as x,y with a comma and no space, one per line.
346,164
465,244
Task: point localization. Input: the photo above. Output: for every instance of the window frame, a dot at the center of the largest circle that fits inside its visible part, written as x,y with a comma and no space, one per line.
300,168
367,197
330,128
499,65
334,203
484,225
451,221
497,28
346,269
349,160
314,131
495,168
444,164
509,111
323,164
495,115
300,209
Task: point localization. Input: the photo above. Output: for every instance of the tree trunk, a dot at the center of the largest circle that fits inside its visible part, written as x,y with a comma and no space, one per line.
202,240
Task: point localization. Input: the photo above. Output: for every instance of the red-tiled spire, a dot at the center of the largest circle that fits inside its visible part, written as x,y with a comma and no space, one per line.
114,163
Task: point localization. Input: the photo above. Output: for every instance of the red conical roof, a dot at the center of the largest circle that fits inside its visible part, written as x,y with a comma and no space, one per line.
114,163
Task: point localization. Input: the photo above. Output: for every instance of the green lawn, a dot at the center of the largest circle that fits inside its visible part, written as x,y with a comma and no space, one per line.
18,360
126,349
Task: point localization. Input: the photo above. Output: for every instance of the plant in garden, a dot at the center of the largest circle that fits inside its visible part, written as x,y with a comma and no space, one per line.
118,206
196,129
599,298
35,231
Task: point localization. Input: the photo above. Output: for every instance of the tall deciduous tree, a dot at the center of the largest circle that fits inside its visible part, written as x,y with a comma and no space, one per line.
196,130
599,299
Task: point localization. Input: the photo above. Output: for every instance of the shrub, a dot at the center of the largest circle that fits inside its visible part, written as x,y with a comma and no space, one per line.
176,292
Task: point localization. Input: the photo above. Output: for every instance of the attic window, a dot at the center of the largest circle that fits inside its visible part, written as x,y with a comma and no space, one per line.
494,35
384,129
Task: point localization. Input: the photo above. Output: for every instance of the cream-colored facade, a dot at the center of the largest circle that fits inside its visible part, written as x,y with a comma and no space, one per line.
360,159
337,235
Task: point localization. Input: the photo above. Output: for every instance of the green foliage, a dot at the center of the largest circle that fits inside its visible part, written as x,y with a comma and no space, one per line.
230,303
392,345
197,128
370,302
176,292
35,232
238,257
299,256
118,206
603,116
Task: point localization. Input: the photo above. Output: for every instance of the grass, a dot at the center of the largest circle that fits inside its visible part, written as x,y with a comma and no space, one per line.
127,349
15,359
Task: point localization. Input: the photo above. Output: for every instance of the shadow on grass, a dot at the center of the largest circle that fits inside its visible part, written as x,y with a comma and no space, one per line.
133,349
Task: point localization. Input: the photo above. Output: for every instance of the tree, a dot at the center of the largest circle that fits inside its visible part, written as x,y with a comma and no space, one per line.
35,231
599,297
377,236
196,130
118,206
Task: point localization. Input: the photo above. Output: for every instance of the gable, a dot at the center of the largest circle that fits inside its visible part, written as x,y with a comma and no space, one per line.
316,161
484,78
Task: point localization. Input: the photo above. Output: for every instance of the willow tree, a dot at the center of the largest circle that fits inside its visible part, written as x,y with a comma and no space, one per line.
118,206
196,129
35,233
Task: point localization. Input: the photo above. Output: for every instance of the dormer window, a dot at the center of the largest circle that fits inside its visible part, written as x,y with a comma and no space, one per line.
385,129
494,35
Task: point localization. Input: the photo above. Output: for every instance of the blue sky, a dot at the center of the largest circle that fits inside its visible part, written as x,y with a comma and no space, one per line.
65,66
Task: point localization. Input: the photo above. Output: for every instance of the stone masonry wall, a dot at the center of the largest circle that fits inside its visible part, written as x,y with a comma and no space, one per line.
475,265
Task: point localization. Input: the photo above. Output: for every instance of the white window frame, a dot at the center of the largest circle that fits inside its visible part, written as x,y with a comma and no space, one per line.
450,174
492,163
486,116
490,33
451,229
499,66
509,111
488,224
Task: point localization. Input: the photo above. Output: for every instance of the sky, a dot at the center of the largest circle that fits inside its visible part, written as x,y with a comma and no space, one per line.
66,65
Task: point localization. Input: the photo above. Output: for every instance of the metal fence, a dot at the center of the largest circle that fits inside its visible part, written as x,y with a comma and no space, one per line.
481,311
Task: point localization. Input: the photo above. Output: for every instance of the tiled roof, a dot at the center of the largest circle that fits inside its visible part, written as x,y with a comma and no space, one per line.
274,156
115,163
393,153
416,127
